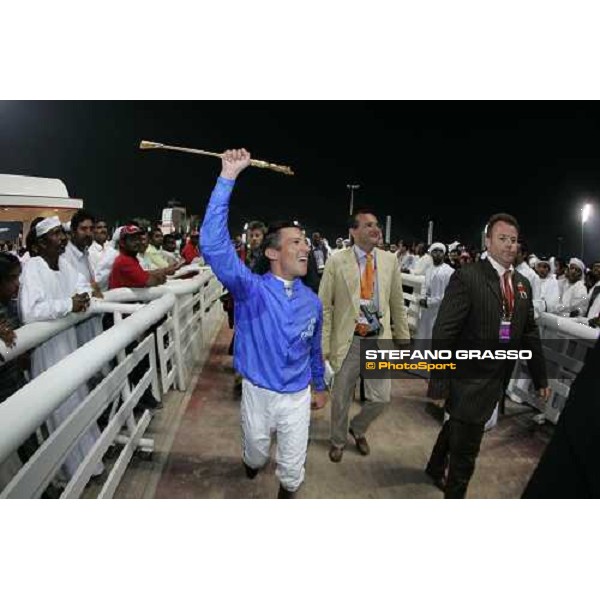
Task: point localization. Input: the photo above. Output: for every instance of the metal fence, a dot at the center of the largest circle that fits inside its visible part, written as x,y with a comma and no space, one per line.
412,286
168,327
565,343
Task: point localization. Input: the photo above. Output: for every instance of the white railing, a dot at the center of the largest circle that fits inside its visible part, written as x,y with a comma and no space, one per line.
411,299
565,343
177,321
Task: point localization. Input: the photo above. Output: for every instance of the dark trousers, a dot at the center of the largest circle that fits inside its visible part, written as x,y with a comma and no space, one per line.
456,449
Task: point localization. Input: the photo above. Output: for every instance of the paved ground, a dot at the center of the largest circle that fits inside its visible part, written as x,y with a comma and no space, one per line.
198,448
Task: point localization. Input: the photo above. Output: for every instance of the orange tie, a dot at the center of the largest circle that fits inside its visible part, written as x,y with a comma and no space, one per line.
367,279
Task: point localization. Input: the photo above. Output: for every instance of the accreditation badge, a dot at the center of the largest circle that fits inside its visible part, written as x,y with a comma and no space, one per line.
504,334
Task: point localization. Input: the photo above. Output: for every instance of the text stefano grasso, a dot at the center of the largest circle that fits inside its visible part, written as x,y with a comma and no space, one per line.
499,354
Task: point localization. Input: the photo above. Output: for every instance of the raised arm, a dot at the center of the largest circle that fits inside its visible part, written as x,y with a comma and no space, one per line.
217,248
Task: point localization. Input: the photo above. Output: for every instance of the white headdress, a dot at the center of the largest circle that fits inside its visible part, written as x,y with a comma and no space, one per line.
437,246
43,227
578,263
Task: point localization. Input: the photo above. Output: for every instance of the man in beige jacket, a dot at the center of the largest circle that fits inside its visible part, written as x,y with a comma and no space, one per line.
361,292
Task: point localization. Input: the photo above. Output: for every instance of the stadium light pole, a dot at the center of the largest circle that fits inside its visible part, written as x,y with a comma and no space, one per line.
585,215
352,187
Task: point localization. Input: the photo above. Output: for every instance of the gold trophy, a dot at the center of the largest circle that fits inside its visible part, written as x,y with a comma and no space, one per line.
261,164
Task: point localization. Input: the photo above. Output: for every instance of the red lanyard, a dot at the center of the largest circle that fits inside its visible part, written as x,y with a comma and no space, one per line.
508,295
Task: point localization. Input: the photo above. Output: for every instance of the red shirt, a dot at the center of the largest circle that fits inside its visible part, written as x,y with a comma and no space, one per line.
189,253
127,272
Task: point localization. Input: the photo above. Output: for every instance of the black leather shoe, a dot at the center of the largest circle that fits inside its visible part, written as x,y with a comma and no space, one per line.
438,480
361,443
150,402
250,472
284,494
336,453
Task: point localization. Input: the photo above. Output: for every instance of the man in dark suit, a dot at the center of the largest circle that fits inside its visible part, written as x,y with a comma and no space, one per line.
569,466
486,303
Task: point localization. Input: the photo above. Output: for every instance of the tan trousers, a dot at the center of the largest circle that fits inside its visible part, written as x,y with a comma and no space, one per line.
377,392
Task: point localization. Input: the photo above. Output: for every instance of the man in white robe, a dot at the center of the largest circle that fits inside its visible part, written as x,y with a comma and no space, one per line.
423,263
522,267
51,289
100,244
406,258
106,262
339,246
574,296
549,289
436,281
593,311
434,287
77,255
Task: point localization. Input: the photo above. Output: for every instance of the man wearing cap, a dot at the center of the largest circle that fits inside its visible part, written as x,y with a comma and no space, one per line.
549,289
361,291
51,289
127,270
574,297
278,330
436,281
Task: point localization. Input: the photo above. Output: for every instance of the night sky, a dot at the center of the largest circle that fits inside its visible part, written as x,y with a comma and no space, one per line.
453,162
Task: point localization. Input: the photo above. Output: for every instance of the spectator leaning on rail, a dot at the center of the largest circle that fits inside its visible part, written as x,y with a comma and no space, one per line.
51,289
191,252
105,265
279,315
77,255
100,244
153,254
127,270
11,372
574,294
169,250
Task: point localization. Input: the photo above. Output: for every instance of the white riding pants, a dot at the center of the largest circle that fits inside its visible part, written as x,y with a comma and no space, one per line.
264,413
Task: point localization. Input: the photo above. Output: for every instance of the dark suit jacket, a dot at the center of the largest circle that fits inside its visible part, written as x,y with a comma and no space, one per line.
569,466
312,278
469,317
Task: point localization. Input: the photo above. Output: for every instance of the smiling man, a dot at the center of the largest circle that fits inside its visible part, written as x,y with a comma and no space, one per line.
278,335
361,291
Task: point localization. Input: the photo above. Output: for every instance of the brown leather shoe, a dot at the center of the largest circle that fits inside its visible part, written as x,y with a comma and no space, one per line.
361,443
336,453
